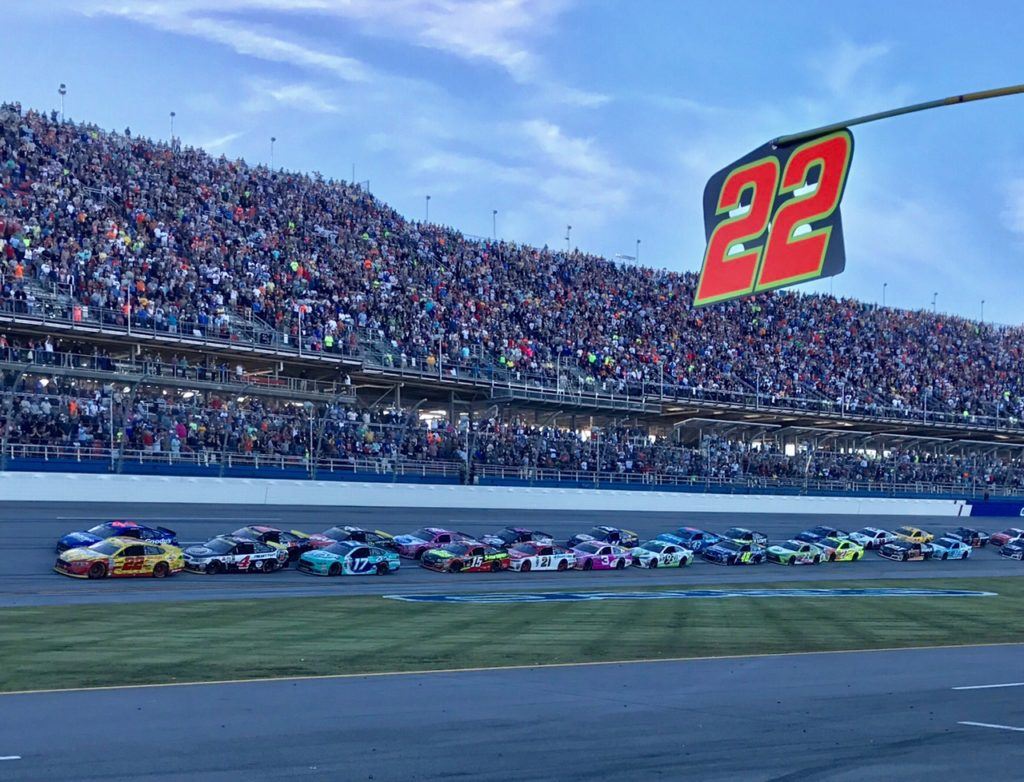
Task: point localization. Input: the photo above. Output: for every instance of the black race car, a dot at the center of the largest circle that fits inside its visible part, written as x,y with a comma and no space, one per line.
510,536
296,544
602,534
228,554
744,535
731,552
904,551
972,537
822,531
349,534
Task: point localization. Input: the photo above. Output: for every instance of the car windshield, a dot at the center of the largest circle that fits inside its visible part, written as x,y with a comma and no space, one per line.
423,534
736,532
525,548
589,548
245,532
823,531
457,548
867,532
219,545
105,530
600,532
336,533
948,542
655,546
341,549
906,531
508,536
1013,532
792,545
730,545
105,547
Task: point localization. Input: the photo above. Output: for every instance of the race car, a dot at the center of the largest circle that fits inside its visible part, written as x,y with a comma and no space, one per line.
334,535
972,537
510,536
661,553
690,537
913,535
530,555
814,534
413,545
794,552
602,534
838,550
729,552
595,555
293,543
121,557
948,547
1008,535
1013,550
744,535
872,537
349,558
227,554
117,528
465,557
903,551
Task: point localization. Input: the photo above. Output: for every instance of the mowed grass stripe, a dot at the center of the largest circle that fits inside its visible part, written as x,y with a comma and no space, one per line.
78,646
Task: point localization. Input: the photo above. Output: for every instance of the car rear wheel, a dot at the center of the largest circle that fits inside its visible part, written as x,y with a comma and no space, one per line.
964,555
944,555
418,554
856,556
831,557
334,569
526,566
382,568
455,567
97,570
817,560
563,565
791,561
620,564
161,570
270,565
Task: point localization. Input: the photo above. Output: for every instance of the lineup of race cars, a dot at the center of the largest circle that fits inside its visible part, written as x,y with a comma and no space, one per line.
122,548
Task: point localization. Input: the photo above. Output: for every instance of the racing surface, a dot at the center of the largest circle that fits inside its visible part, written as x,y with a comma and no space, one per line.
28,533
817,717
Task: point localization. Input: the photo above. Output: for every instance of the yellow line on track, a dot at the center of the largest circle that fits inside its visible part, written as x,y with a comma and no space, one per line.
484,669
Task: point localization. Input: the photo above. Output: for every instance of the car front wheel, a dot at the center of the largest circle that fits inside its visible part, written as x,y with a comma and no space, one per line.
97,570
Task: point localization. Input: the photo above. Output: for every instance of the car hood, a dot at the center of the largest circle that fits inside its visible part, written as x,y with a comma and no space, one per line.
199,551
77,539
438,553
82,555
321,555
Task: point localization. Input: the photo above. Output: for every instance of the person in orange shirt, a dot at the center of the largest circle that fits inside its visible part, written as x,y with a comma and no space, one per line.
19,271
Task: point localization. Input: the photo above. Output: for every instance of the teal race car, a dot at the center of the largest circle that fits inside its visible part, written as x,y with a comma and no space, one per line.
347,558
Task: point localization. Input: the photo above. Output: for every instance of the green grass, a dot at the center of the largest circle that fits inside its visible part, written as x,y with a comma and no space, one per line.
75,646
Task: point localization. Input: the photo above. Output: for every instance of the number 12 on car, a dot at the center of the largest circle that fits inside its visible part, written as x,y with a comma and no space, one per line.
772,218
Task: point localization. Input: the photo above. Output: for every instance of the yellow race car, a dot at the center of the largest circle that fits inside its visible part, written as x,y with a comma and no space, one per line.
913,535
121,557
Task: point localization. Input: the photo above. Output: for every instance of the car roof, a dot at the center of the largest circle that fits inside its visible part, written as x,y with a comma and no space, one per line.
122,523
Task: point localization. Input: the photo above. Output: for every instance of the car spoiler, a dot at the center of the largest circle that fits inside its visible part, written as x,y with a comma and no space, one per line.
384,534
166,531
298,533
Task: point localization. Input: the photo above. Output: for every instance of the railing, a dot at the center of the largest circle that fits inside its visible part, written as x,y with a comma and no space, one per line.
71,458
553,385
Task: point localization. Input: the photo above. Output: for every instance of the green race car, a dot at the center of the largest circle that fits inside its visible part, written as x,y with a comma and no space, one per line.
349,559
840,550
795,552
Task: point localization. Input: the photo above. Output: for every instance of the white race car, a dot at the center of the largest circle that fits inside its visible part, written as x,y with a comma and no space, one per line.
661,553
872,537
539,556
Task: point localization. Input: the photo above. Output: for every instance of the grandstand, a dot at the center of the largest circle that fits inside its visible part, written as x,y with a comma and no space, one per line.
167,311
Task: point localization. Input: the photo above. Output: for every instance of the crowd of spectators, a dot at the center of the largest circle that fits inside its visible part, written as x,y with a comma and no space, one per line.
149,423
173,238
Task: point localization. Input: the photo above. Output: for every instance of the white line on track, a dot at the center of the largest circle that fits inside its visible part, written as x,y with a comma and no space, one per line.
990,725
10,757
990,686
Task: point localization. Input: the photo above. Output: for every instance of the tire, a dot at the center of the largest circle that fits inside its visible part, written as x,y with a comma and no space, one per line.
383,569
214,567
495,566
418,554
963,556
817,560
588,565
334,569
526,566
161,570
944,556
455,567
563,565
903,556
856,557
97,570
654,563
831,557
620,564
791,561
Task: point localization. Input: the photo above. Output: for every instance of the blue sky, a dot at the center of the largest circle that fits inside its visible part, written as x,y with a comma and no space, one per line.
608,116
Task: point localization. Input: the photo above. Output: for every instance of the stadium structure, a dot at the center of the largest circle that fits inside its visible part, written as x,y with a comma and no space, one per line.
166,312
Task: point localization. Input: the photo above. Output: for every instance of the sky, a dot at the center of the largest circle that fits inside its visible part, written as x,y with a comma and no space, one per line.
606,115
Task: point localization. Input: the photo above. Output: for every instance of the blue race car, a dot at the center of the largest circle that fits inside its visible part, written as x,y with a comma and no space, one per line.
349,559
948,547
116,528
690,537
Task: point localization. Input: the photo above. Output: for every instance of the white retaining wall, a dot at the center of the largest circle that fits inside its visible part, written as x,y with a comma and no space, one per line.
77,487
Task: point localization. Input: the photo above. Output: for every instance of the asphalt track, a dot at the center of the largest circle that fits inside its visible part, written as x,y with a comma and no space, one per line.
28,533
812,718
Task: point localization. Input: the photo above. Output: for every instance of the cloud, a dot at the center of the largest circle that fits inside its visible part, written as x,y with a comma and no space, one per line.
841,65
215,144
267,95
1013,212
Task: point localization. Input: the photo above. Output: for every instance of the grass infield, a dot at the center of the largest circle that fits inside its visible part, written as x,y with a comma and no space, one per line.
80,646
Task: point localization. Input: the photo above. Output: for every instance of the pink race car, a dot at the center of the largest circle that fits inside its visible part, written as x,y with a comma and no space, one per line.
413,545
594,555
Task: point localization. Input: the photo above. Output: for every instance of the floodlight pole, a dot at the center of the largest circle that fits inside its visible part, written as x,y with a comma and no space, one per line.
792,138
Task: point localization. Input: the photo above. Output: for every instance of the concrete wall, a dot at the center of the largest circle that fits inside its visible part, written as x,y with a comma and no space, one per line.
77,487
